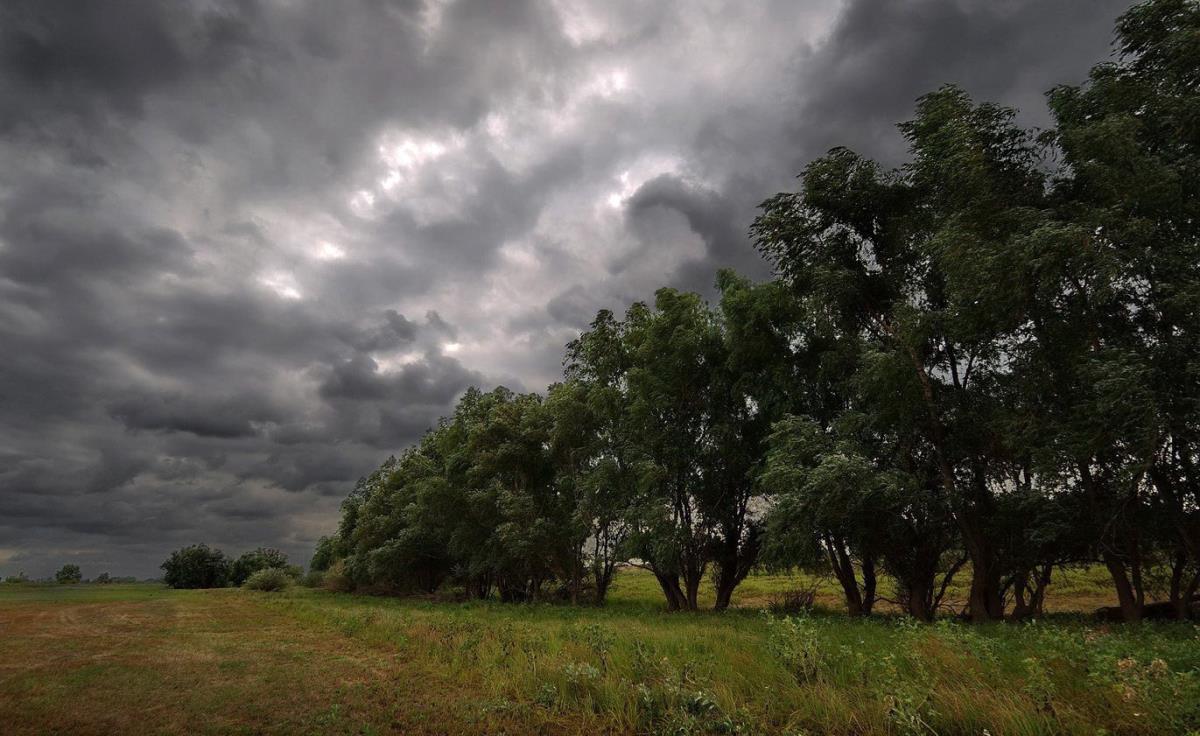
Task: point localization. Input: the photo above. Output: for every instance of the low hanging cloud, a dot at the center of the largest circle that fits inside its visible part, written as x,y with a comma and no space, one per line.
247,251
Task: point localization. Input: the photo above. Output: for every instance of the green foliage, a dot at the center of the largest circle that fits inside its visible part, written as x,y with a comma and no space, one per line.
197,566
249,563
324,554
313,579
68,575
269,579
793,642
1022,346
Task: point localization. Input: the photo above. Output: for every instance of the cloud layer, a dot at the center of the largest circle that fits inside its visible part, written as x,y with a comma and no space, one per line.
249,250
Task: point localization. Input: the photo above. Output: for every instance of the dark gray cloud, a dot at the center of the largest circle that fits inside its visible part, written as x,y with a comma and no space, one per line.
247,250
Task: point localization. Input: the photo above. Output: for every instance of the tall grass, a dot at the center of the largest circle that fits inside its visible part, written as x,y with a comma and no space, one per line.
631,668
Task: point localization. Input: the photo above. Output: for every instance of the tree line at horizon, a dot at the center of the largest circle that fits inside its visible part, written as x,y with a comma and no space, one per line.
201,566
984,362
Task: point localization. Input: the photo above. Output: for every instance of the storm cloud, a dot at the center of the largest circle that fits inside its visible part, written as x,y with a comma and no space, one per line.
248,250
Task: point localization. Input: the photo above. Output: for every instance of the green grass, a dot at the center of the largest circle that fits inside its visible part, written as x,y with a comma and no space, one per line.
104,659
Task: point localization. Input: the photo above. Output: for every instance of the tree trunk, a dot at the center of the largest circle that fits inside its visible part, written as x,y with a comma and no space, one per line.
985,601
869,584
843,570
919,601
724,595
1029,596
1183,588
693,589
726,580
735,564
1132,602
604,575
670,587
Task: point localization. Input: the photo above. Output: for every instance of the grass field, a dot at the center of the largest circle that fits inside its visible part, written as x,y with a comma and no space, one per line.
144,659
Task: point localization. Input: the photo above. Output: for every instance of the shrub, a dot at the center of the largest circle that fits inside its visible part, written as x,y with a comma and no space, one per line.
795,645
792,602
336,579
270,579
197,566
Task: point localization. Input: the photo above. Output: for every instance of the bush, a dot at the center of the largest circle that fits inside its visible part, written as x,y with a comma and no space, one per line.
792,602
270,579
197,566
336,579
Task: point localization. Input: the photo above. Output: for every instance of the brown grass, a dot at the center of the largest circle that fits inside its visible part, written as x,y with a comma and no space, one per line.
214,662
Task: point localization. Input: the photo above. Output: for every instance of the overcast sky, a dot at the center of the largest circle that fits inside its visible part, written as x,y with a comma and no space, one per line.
248,250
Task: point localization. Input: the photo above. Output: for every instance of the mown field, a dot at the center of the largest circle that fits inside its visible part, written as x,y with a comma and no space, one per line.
146,659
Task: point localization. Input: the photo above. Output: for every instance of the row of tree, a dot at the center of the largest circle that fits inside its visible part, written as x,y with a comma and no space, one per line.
201,566
70,574
983,362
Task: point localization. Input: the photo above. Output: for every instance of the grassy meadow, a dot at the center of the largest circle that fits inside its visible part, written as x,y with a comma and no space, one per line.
93,659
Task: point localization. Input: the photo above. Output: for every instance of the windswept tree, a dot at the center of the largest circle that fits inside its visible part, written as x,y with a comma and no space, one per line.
753,385
685,432
890,261
1117,303
826,516
595,480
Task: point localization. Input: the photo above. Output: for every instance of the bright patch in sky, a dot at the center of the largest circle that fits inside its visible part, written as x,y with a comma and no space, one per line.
282,284
329,252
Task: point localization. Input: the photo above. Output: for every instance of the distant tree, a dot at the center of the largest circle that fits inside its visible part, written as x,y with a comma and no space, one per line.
197,566
103,579
68,575
249,563
20,577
